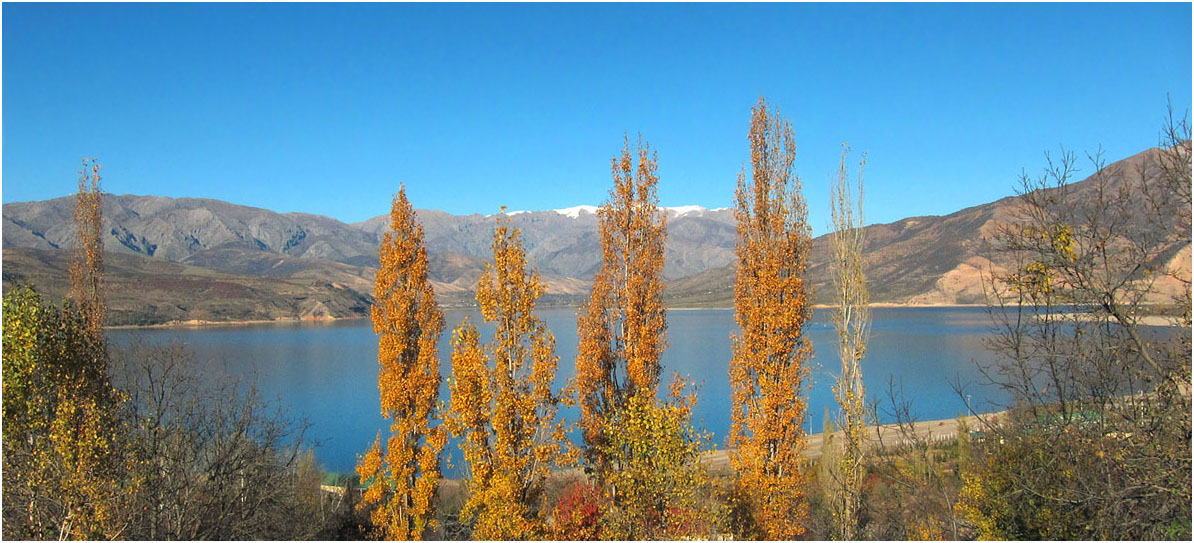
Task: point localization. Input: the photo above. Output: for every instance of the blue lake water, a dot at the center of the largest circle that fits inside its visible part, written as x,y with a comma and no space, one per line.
327,373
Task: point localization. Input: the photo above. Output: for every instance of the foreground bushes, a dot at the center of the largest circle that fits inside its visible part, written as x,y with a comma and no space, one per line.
159,453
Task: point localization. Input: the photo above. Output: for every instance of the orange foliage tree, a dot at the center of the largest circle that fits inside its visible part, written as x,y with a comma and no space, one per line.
502,402
403,478
622,327
772,304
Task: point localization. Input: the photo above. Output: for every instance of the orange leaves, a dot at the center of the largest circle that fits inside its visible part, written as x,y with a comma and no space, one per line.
469,383
408,323
643,452
772,305
622,327
502,403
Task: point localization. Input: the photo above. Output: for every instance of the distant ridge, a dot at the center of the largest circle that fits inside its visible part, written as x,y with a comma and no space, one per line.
918,260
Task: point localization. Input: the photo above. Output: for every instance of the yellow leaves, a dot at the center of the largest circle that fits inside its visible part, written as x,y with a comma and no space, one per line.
408,323
656,490
1036,281
973,501
59,419
59,408
1041,279
502,404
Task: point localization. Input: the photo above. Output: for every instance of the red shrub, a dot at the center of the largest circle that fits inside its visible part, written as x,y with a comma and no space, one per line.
577,516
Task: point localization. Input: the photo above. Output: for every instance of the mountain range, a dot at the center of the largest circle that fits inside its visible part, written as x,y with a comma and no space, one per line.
190,259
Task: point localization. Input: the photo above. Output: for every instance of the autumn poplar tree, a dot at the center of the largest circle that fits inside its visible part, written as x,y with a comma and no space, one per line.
403,476
770,352
622,327
502,402
852,322
87,263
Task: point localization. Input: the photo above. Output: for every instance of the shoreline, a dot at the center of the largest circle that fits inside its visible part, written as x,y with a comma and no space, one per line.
881,305
878,435
1147,320
200,323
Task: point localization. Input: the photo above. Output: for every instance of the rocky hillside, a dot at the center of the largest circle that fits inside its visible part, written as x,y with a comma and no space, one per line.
144,291
922,260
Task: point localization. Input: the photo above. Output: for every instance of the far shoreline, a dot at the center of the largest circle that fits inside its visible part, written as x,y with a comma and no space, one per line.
203,323
1149,320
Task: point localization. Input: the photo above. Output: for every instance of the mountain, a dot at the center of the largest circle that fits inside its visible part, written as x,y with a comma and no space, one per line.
252,244
564,242
923,260
919,260
174,229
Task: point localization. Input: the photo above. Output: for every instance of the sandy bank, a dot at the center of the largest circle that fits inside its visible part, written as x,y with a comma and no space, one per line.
886,435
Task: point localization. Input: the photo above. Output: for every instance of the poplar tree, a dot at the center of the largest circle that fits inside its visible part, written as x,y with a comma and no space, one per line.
772,303
403,476
502,402
87,262
622,327
852,320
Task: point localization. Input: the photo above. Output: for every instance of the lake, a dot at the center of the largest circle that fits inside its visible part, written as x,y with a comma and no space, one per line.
327,372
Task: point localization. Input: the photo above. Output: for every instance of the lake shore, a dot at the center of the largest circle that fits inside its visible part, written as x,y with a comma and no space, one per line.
1145,320
1148,320
199,323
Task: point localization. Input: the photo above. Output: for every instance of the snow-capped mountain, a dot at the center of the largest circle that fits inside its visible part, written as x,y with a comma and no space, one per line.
576,211
672,212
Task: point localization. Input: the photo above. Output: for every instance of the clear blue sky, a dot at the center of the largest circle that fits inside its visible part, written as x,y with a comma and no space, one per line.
326,108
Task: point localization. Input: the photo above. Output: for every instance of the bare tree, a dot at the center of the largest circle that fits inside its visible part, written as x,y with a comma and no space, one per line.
1095,354
213,461
852,322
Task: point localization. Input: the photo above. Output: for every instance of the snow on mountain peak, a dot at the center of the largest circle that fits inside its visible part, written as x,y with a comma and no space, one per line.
680,211
575,211
672,212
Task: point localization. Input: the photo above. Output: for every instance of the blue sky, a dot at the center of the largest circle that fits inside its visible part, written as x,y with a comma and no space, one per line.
326,108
